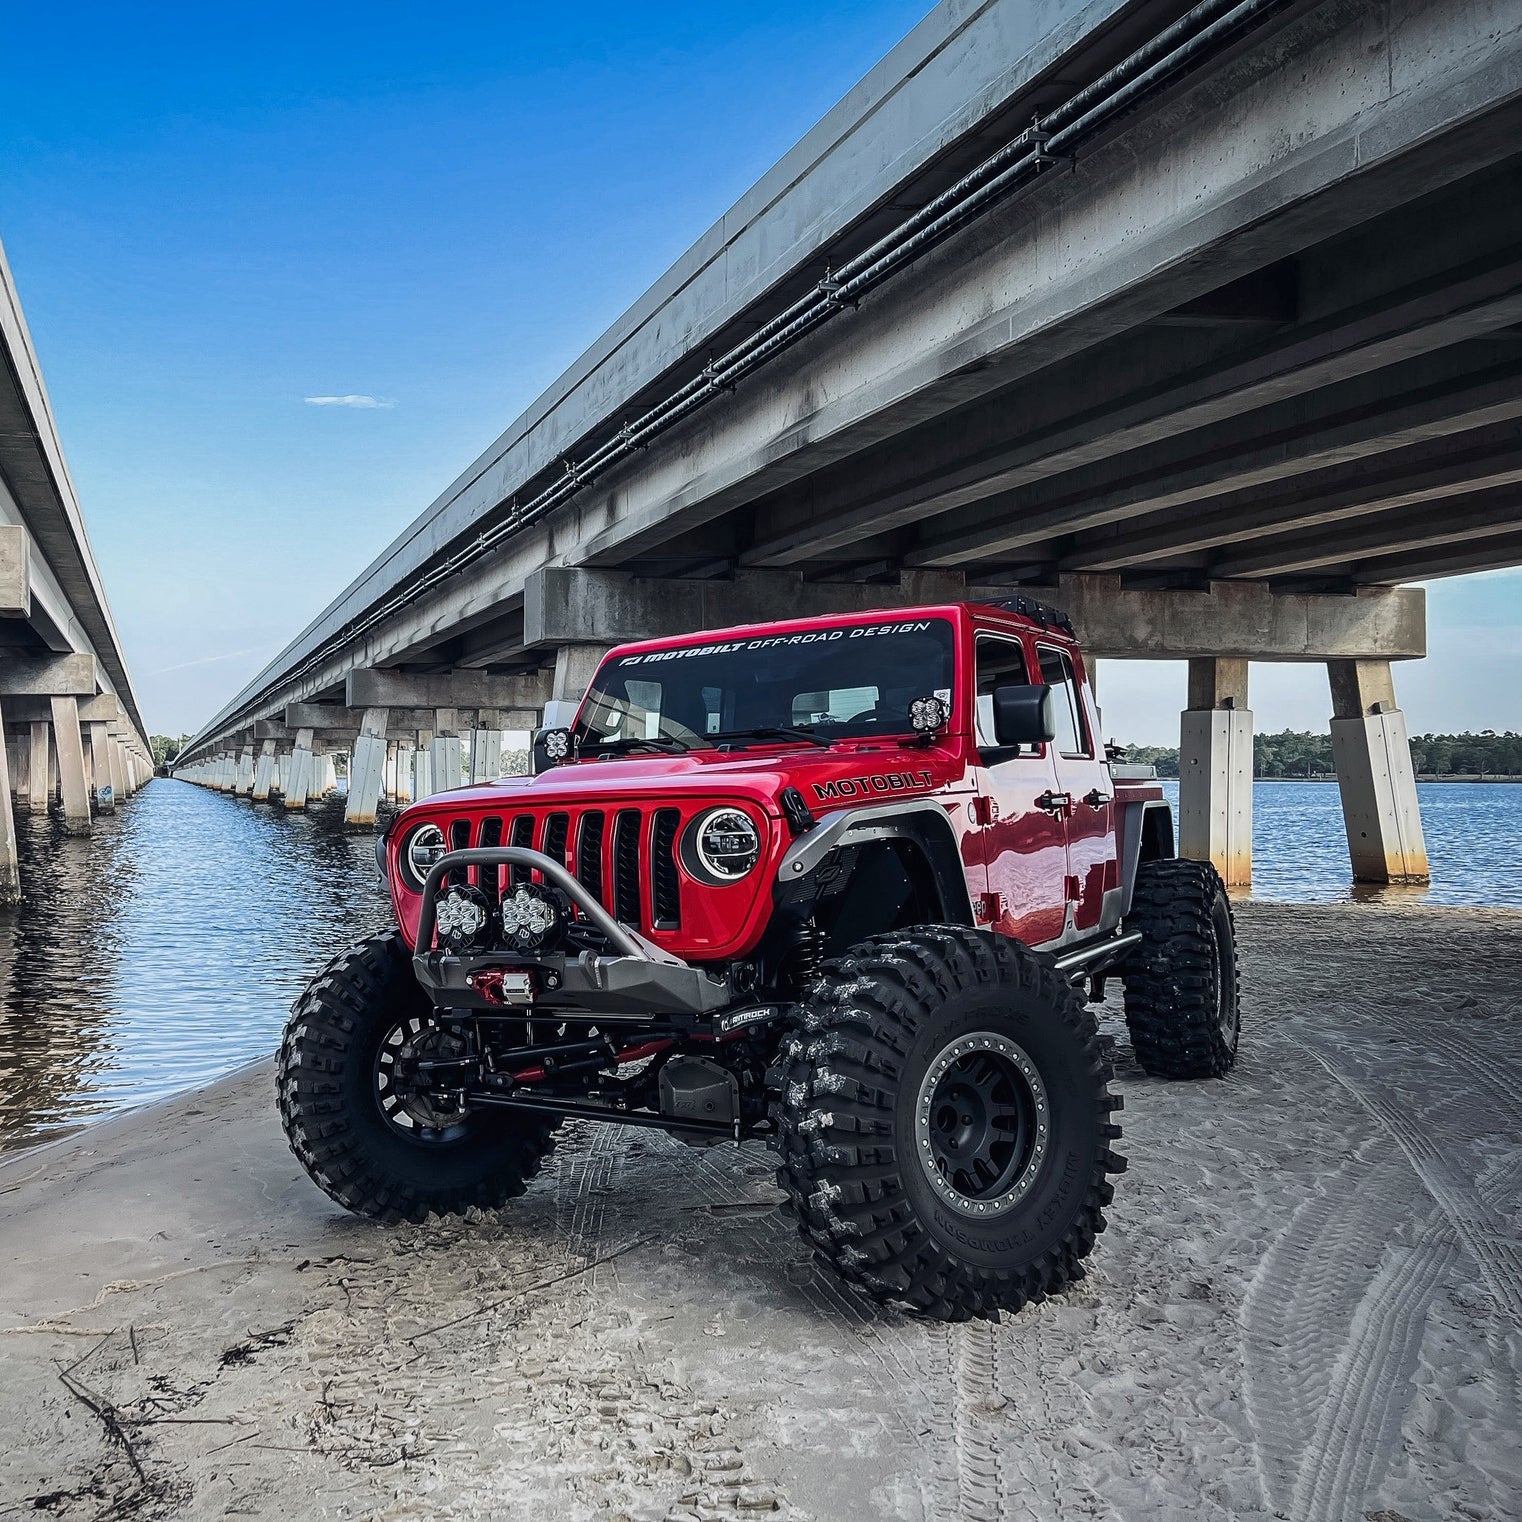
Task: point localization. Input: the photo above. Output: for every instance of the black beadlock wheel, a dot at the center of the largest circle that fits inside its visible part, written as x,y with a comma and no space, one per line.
351,1112
943,1116
1183,986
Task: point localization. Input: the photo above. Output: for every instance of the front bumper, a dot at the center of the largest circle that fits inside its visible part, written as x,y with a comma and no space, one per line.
637,981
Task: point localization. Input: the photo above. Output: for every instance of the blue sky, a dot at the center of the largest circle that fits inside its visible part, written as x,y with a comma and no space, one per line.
214,213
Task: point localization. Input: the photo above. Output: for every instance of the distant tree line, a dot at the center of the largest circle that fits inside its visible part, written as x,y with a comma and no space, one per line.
1299,753
166,748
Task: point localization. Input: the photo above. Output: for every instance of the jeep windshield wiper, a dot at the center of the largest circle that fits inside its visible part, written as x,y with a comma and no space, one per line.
666,744
773,732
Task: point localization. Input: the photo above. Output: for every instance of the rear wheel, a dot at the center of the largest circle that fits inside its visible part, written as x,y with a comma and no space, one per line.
944,1120
1182,988
359,1120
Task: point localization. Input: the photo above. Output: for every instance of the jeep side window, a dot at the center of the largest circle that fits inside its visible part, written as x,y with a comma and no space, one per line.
1072,731
1000,663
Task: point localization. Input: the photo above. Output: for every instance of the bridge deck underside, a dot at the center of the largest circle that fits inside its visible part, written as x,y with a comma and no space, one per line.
1268,330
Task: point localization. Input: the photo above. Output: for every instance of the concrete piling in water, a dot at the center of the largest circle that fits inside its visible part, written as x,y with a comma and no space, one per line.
422,765
448,751
1216,770
10,865
39,768
367,768
100,757
68,744
1372,753
302,773
264,772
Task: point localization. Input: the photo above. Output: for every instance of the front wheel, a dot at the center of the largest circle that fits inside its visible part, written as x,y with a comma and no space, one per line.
367,1133
944,1120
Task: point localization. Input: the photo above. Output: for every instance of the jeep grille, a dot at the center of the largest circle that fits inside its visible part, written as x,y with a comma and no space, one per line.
626,859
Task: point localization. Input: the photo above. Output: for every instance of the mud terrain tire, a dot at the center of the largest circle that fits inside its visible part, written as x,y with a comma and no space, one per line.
326,1085
1183,986
868,1084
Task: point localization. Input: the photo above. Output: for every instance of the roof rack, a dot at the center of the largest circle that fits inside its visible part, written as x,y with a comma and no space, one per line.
1037,612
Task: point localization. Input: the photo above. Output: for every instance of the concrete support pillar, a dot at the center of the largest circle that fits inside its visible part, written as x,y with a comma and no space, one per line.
1216,770
486,748
448,752
20,761
282,778
422,765
366,768
118,770
575,666
39,768
406,754
244,786
301,779
327,774
69,744
10,866
264,772
100,760
1372,753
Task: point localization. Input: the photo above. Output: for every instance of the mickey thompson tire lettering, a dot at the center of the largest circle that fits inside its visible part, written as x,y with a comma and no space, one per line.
325,1085
845,1087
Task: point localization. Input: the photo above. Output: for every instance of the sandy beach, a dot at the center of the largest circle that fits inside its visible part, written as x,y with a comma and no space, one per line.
1308,1304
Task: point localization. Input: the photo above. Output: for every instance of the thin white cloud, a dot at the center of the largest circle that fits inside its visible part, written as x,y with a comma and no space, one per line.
348,401
205,660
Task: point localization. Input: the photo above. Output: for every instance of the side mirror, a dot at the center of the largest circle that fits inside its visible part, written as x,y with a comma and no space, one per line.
1024,715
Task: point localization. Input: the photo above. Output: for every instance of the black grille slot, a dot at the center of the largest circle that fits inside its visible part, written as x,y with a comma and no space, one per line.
665,889
556,828
523,835
491,877
459,840
589,837
626,907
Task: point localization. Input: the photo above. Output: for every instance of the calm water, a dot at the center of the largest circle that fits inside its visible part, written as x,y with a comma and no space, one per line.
166,949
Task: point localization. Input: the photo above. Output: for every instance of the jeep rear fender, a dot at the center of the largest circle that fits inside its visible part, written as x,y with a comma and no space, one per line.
921,821
1146,833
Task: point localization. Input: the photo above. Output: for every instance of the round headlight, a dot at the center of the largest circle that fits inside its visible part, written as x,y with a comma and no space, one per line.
421,852
725,844
460,916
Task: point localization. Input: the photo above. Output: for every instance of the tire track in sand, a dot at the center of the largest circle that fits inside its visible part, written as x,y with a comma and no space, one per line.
1359,1416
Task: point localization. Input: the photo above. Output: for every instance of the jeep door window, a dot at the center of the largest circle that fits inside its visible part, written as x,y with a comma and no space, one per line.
1022,844
1072,727
1084,778
845,682
1000,663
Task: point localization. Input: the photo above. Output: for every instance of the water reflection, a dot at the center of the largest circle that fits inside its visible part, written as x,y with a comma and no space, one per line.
1300,851
165,949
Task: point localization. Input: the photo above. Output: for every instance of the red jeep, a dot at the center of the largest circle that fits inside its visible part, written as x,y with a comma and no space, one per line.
843,883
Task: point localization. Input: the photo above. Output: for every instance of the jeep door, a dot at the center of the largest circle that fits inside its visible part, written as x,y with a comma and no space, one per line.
1083,781
1021,835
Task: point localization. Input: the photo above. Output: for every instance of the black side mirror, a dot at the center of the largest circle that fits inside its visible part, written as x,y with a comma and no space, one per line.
1024,715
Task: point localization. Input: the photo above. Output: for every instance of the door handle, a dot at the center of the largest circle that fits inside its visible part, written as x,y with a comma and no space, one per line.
1055,803
1095,799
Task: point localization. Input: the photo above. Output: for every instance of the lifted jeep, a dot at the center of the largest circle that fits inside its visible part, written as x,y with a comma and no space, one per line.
843,884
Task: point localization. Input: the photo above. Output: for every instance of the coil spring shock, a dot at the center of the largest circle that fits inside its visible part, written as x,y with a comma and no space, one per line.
805,956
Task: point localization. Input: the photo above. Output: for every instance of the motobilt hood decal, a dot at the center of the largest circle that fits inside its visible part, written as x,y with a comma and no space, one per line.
875,782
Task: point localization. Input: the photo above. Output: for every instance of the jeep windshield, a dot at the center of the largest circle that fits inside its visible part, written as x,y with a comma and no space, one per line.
809,685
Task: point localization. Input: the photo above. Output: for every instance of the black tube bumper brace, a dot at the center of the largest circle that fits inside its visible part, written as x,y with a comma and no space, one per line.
638,981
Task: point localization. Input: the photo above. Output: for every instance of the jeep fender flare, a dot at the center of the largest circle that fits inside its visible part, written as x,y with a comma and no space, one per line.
922,821
1146,834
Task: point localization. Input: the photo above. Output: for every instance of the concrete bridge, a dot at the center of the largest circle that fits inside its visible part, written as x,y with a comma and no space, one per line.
1201,321
73,736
